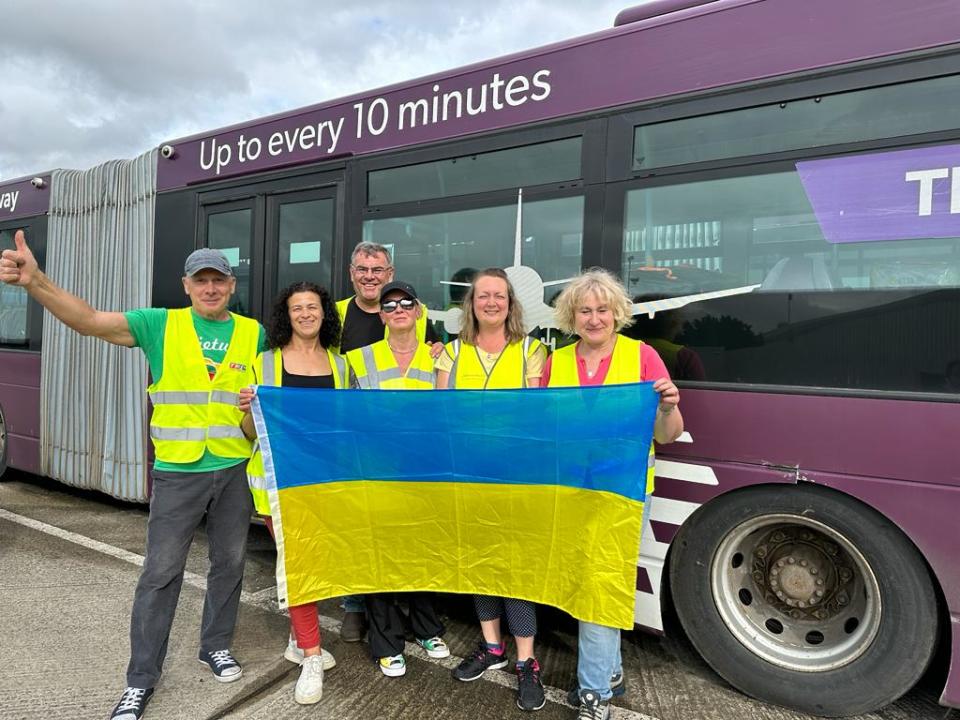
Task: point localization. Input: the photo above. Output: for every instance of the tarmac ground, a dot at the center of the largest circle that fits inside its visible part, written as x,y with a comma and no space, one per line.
69,562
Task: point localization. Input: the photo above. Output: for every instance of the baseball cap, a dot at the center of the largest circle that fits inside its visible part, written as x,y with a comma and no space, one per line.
405,288
206,259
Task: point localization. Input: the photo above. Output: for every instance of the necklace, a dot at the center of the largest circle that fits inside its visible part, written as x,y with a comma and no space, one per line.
398,350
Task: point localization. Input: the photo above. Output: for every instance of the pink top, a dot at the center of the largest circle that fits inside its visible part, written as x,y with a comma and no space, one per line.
651,368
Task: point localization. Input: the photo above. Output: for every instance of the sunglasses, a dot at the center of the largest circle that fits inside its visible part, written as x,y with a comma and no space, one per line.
390,305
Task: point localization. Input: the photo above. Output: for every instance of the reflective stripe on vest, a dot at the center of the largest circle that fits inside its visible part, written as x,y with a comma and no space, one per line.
191,411
375,367
508,371
625,367
268,370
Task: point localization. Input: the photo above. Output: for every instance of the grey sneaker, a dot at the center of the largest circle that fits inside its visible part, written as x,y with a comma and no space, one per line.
354,626
617,687
592,707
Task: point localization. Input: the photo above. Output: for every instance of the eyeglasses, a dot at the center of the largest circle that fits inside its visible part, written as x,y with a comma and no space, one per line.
390,305
375,271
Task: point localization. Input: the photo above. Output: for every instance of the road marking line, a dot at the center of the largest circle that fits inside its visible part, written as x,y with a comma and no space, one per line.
263,599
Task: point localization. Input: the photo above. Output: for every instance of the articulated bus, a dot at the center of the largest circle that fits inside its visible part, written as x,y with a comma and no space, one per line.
778,185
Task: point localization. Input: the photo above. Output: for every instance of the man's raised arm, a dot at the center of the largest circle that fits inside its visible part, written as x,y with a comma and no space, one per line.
19,267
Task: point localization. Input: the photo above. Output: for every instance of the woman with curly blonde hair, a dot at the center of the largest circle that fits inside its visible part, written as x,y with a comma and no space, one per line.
493,351
595,306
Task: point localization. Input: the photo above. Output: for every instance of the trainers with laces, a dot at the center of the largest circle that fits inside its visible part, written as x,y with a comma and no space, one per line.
393,666
478,662
309,688
529,688
617,687
224,666
132,704
295,655
592,707
435,647
353,627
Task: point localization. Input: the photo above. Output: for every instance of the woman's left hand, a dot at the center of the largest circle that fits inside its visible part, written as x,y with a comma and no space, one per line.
669,395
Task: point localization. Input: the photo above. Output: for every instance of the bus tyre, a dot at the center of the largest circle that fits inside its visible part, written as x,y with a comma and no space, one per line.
804,597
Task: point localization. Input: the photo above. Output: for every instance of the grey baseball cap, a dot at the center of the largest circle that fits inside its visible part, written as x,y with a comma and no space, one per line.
206,259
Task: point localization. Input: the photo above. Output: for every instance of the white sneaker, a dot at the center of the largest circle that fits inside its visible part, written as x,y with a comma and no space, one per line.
309,688
393,666
295,655
435,647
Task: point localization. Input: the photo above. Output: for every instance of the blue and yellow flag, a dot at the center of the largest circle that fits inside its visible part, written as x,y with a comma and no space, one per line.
533,494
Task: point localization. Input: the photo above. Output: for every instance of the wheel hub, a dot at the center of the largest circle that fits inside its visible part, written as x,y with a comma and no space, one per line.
801,573
796,592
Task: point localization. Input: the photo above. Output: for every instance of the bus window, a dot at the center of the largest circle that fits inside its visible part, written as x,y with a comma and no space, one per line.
305,236
540,164
13,304
432,248
231,232
865,315
882,112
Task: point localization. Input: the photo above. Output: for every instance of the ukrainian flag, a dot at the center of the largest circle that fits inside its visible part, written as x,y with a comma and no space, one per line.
533,494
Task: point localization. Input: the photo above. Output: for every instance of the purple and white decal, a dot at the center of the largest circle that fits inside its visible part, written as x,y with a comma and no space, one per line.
24,197
902,195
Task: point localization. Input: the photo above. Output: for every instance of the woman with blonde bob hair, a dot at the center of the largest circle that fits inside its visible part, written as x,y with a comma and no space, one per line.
595,306
493,351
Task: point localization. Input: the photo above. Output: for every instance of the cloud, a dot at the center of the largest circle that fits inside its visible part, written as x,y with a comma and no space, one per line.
87,82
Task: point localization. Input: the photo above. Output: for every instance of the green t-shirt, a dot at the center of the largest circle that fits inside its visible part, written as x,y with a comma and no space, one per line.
148,326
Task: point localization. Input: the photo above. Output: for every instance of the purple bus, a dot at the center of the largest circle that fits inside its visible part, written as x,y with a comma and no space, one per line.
778,185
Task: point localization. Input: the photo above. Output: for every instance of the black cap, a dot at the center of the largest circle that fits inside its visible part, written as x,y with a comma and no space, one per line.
405,288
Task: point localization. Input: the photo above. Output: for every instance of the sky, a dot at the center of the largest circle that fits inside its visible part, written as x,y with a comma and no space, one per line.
86,82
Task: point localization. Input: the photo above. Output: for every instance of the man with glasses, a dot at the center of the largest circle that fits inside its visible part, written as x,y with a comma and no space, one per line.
370,269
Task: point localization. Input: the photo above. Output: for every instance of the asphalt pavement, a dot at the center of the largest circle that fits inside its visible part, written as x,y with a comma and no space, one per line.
69,563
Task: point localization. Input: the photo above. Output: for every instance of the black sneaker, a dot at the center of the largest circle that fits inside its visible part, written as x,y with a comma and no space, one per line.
478,662
592,707
529,688
224,666
132,704
617,687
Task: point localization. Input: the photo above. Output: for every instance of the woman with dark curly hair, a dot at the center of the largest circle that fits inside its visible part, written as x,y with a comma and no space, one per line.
302,329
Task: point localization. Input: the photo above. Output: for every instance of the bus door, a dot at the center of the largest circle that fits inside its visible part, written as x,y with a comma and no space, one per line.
274,234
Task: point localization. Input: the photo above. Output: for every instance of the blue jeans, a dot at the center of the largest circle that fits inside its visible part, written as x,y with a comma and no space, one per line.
598,658
354,603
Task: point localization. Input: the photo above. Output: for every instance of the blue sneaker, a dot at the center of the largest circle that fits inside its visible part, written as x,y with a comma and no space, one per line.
224,666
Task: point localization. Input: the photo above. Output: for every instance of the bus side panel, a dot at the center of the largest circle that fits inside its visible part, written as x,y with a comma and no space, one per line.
20,401
174,239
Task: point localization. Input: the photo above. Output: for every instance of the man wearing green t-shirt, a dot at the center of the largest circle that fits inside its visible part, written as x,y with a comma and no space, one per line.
199,358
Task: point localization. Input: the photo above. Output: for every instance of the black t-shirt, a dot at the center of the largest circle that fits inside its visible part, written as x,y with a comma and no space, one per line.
307,381
361,328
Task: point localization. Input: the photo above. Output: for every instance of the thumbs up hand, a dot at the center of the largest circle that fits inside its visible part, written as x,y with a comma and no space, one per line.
18,266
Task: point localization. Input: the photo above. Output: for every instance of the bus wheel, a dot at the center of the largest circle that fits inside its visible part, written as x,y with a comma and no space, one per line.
802,596
3,444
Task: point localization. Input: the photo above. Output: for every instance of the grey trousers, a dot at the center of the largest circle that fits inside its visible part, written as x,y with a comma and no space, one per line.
177,505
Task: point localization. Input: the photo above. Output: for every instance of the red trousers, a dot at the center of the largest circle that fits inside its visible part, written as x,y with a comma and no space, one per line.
304,623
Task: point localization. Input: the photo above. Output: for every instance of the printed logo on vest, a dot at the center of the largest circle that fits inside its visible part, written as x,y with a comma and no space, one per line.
238,366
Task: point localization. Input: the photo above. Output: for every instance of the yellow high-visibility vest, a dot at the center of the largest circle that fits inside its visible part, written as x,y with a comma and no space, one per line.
376,368
625,367
191,412
268,370
509,370
342,306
